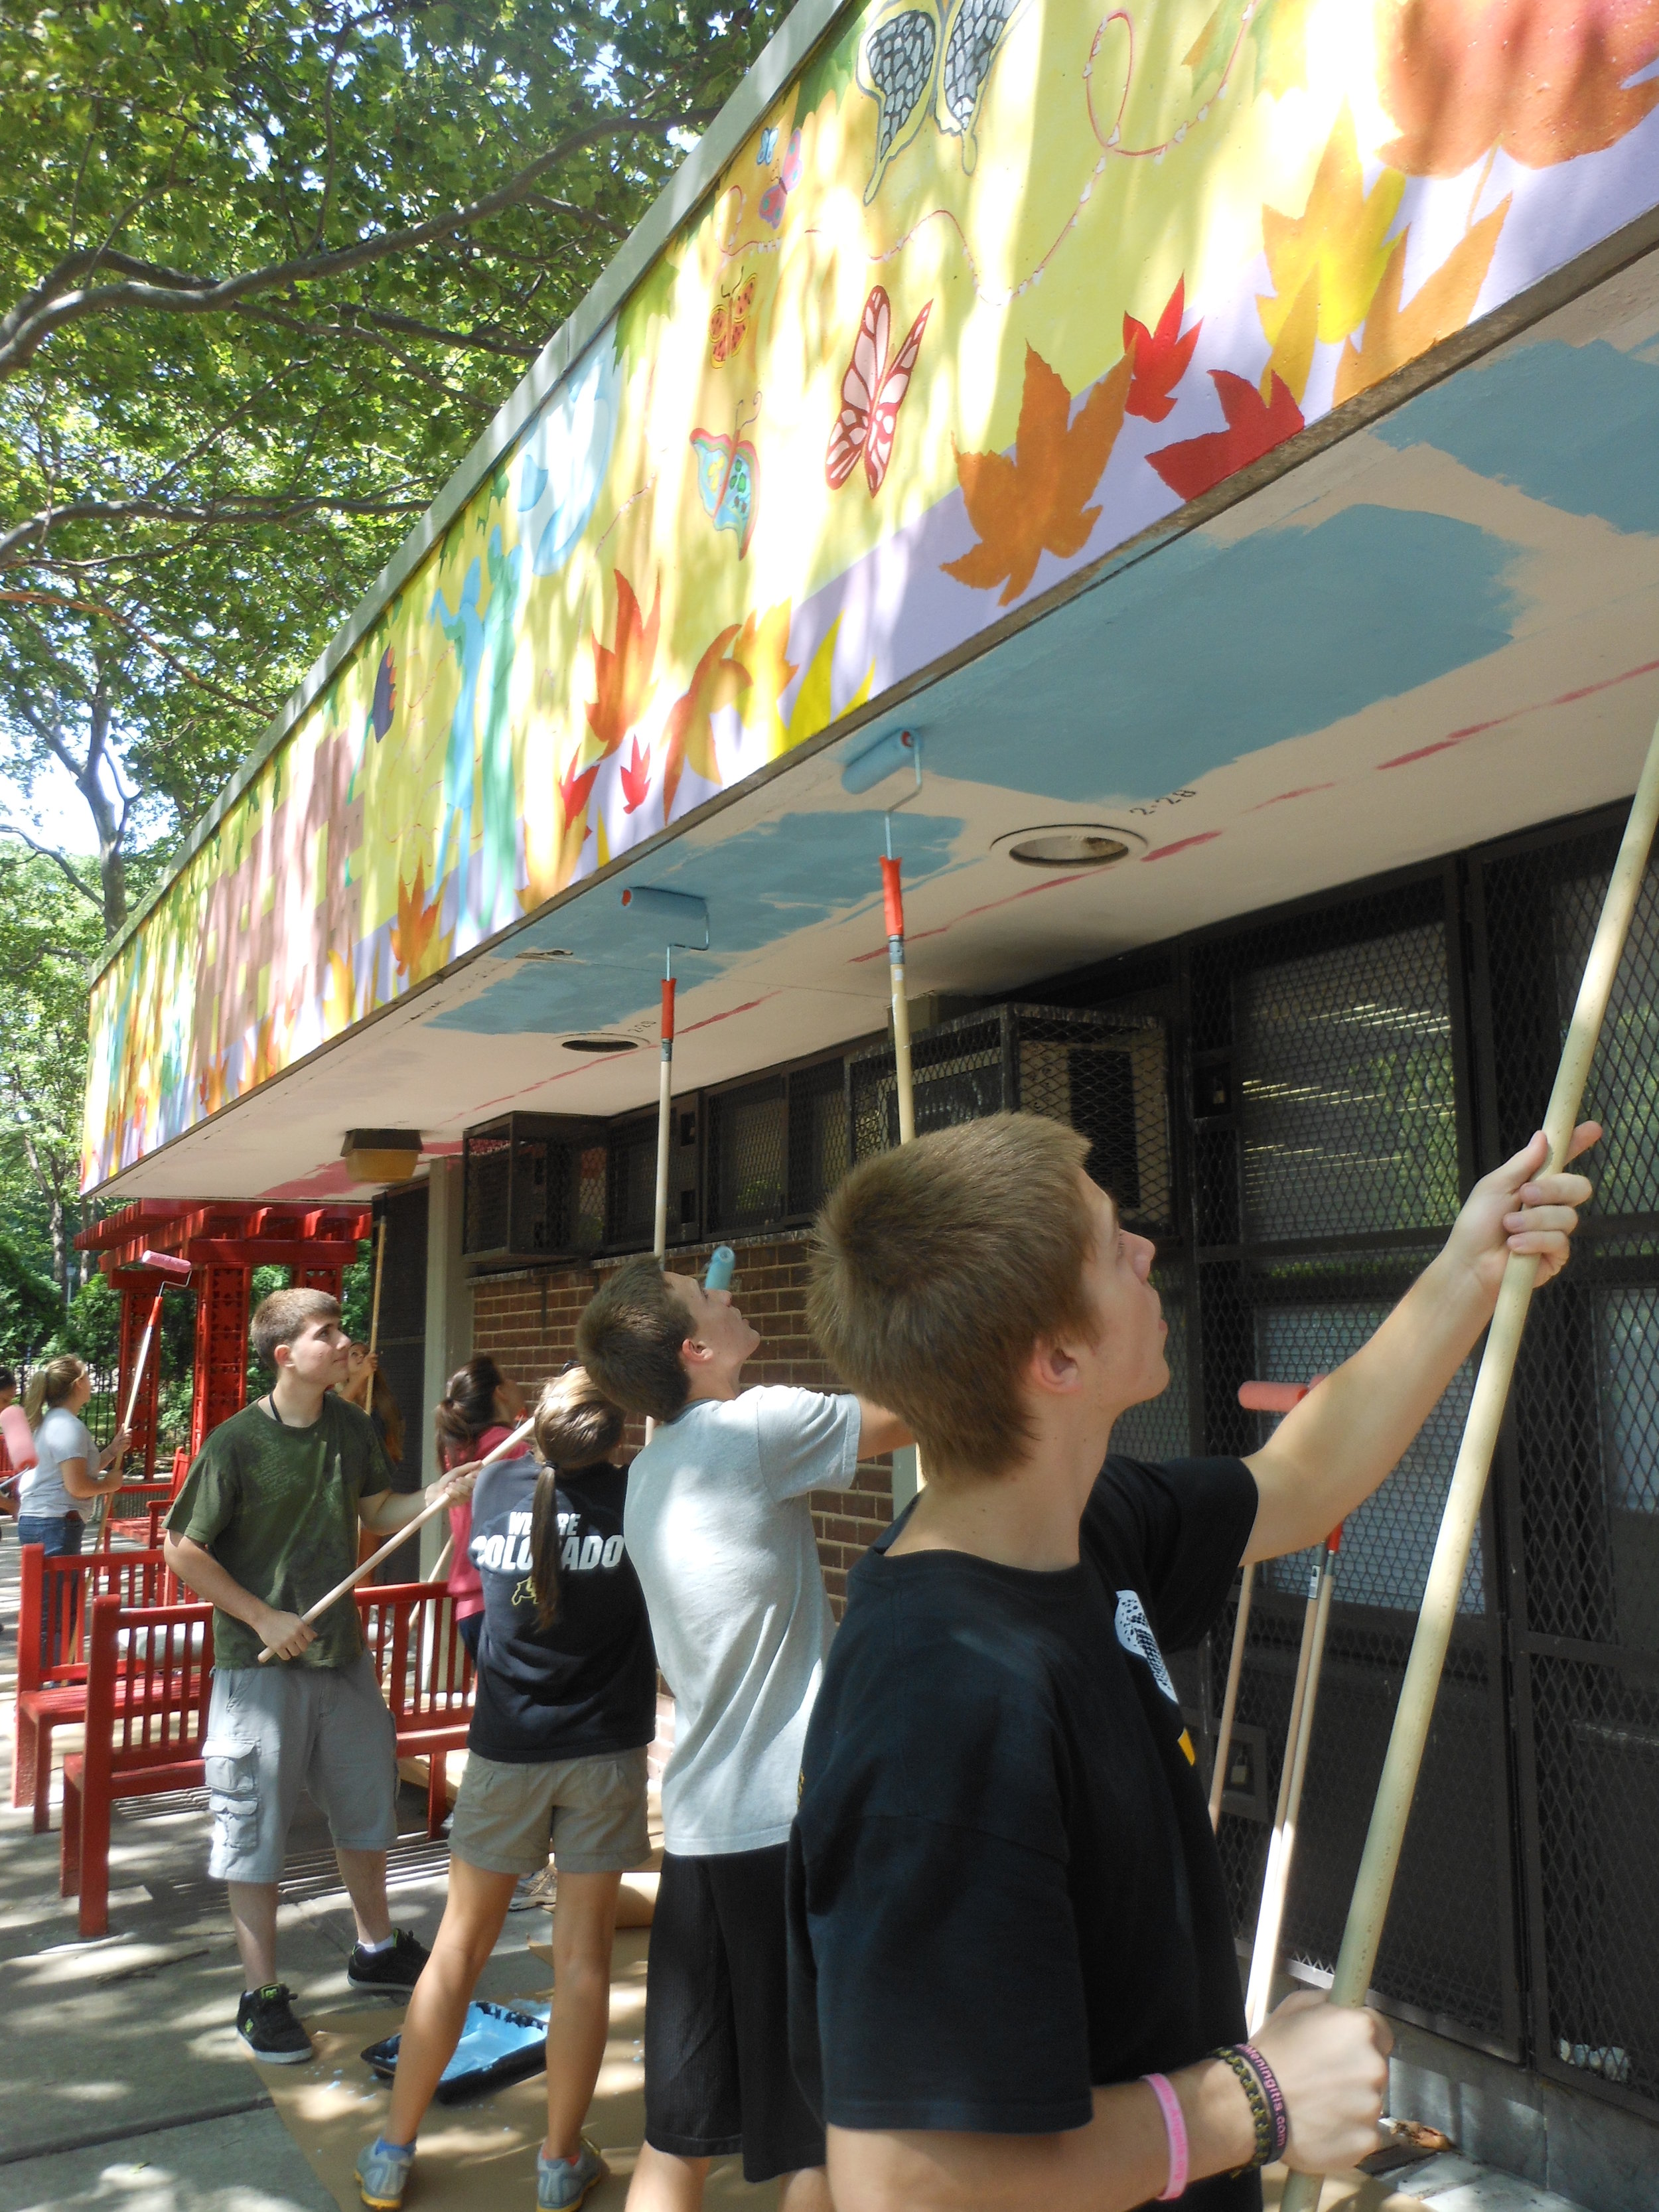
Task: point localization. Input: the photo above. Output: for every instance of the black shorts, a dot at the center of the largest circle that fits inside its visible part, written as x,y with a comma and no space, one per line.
717,2073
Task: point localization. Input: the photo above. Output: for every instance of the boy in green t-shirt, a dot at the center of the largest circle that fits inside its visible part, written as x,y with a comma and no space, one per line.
266,1523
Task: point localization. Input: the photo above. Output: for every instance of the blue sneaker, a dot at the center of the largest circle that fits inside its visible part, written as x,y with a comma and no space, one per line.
382,2170
562,2184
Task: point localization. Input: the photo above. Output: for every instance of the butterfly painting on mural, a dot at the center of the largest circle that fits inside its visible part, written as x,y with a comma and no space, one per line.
930,57
728,326
728,479
773,199
769,145
872,392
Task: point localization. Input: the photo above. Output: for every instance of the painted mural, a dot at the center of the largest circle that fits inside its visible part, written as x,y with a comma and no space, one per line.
996,285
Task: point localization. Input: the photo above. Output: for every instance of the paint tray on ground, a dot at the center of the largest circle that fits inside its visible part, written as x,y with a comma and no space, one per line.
498,2043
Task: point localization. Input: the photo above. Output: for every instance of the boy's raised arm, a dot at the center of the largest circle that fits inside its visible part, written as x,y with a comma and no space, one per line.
880,1431
1345,1437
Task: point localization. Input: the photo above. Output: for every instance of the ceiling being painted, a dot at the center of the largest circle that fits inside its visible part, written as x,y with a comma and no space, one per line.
1441,629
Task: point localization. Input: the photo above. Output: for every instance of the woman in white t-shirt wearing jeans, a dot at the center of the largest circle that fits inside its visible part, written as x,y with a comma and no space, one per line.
68,1470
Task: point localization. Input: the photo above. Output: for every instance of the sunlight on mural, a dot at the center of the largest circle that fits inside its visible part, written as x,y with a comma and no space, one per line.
996,285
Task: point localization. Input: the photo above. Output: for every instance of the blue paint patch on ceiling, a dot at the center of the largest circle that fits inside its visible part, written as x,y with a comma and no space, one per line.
1575,426
761,885
1207,651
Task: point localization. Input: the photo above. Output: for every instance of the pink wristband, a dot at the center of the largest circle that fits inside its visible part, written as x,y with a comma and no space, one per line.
1174,2128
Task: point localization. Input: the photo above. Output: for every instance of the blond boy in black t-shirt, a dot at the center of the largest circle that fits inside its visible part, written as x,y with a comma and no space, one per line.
266,1523
1012,1981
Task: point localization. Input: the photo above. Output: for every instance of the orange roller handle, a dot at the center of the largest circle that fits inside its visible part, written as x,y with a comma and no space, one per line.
892,896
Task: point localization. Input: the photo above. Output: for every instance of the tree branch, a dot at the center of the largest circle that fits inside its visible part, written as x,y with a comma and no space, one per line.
92,897
48,307
230,507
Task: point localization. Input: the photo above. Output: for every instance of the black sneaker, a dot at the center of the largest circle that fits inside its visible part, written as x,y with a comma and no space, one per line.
265,2022
396,1970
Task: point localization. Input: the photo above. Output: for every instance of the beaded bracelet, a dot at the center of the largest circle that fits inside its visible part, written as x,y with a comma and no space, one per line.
1268,2114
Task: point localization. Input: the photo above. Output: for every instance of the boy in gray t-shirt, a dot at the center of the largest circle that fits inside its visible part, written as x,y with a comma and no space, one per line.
719,1531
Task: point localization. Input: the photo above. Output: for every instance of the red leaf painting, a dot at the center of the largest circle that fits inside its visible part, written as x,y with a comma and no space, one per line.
1255,427
573,791
636,779
623,673
1161,356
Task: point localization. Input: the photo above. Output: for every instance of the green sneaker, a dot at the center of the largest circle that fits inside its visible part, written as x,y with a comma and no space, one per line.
562,2184
382,2170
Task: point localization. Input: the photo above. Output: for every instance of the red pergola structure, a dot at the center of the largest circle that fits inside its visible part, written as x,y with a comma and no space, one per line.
224,1240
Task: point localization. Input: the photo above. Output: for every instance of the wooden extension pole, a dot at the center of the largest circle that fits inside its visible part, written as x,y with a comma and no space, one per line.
505,1450
665,1117
1281,1848
1223,1742
1357,1957
1255,1398
380,1277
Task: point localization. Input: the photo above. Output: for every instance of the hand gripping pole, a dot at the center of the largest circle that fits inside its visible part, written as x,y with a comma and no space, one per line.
507,1448
1357,1957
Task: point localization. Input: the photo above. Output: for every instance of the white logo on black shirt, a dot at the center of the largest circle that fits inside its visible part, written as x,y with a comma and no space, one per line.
1134,1634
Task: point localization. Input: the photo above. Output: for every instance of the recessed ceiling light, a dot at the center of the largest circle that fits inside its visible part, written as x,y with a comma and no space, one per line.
545,952
1070,845
601,1044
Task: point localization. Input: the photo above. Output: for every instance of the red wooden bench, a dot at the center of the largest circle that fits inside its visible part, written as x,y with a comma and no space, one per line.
148,1676
53,1694
425,1673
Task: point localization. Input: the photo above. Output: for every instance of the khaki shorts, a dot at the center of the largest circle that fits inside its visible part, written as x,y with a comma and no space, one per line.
590,1811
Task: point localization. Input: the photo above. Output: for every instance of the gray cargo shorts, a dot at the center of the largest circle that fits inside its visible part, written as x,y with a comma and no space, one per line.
274,1730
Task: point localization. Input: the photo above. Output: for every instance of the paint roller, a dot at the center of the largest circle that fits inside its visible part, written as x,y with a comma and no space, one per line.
1415,1714
507,1448
898,748
1255,1398
679,915
171,1270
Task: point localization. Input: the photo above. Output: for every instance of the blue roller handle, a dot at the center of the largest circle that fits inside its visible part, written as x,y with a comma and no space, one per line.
717,1276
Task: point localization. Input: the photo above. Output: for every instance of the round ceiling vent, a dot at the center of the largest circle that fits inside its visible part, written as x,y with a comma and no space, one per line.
600,1044
1070,845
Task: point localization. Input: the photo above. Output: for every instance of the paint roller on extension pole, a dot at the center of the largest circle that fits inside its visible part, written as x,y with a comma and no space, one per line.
172,1271
1372,1890
679,915
380,1277
1255,1398
897,750
507,1448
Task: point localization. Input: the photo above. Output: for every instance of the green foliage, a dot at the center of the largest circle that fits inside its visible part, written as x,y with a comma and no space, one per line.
357,1291
92,1325
49,940
29,1308
268,268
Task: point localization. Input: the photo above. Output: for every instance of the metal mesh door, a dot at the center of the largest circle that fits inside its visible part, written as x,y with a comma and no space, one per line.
1581,1470
1326,1163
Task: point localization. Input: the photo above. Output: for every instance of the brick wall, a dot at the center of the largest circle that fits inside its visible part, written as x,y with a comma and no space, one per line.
527,1321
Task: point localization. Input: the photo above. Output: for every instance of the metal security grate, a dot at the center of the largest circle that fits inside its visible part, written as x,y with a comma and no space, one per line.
777,1147
531,1188
1103,1075
631,1179
1325,1163
1581,1476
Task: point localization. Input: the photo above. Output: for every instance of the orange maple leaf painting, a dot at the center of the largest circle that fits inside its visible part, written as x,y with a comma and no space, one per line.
1030,502
415,931
1255,427
1161,358
623,673
1547,80
1442,303
716,682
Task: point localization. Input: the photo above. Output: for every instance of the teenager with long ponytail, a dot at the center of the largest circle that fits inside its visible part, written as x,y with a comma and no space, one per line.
567,1695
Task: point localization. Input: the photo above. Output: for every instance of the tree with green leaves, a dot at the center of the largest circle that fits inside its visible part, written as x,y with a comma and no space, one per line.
267,269
50,940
